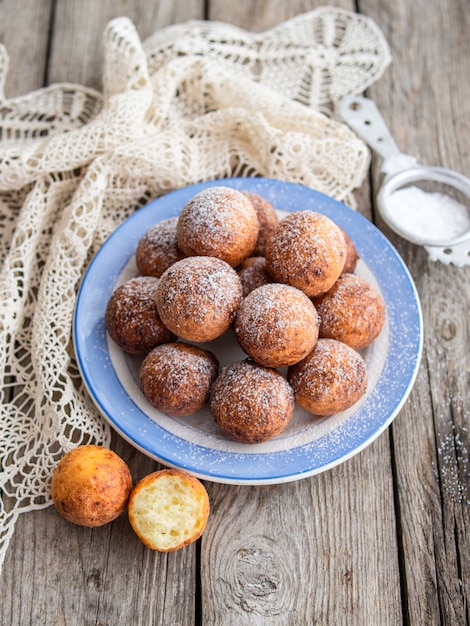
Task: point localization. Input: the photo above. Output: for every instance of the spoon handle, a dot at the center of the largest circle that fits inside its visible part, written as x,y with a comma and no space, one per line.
363,116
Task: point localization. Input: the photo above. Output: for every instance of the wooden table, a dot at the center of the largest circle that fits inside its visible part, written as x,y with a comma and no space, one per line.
382,539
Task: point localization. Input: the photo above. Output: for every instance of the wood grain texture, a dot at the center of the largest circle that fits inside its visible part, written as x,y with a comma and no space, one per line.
380,540
315,552
88,576
24,28
95,576
425,98
260,15
305,553
76,39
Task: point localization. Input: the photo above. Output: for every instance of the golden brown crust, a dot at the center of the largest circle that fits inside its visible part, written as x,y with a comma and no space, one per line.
352,255
251,403
276,325
131,318
158,249
91,486
352,311
306,250
253,274
218,222
267,218
176,378
197,298
168,509
330,379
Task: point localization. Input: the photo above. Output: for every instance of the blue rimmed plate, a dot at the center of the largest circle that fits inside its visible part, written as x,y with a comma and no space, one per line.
309,445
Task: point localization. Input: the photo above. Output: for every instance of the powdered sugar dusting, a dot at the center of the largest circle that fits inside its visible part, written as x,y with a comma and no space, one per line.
158,249
251,403
454,464
219,222
275,309
131,316
176,378
198,297
305,231
306,250
351,311
330,362
258,385
162,234
176,364
434,216
198,286
253,274
202,433
137,293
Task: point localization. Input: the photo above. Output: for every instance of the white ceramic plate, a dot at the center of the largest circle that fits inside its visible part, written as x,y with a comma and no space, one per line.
309,445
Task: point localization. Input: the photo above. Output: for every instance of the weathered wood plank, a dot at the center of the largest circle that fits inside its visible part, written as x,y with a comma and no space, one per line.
99,576
425,98
324,550
320,551
76,50
260,15
93,576
24,30
307,552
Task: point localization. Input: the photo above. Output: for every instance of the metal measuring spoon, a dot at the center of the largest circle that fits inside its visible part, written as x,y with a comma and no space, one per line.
402,173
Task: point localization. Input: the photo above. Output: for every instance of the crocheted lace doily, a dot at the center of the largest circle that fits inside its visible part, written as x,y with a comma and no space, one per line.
194,102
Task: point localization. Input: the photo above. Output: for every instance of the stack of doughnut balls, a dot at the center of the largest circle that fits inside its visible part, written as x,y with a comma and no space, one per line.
285,287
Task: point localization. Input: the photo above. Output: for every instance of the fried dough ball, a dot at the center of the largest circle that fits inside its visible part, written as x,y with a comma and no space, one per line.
267,218
352,311
198,297
218,222
330,379
251,403
158,249
253,274
176,378
352,255
168,509
306,250
277,325
131,317
91,486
